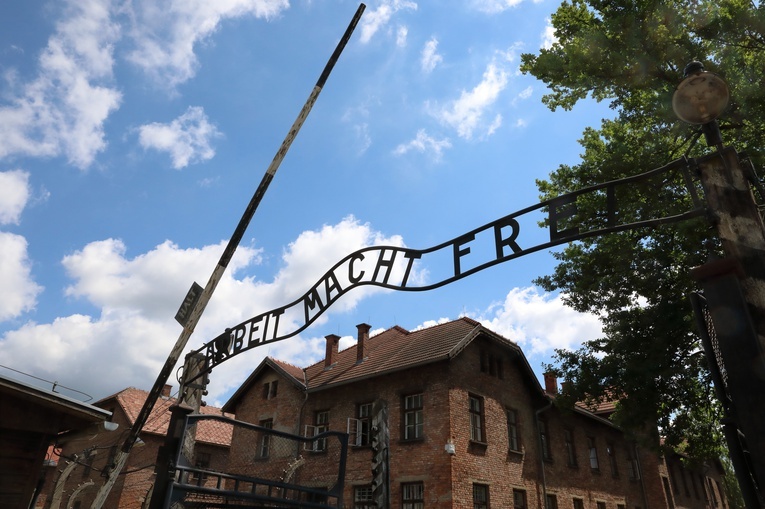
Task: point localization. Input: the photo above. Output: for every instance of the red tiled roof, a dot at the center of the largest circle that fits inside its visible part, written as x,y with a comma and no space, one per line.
396,349
131,401
603,407
290,369
392,350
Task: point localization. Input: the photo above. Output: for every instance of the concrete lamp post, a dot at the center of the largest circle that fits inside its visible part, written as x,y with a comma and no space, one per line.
734,287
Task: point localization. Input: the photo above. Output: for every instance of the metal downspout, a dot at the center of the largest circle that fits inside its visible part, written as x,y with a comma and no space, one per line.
302,409
543,501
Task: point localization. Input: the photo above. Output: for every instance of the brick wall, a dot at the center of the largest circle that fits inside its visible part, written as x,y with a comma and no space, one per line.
498,377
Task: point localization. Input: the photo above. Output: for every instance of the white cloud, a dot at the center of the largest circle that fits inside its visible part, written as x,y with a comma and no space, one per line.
138,297
496,124
465,114
374,20
540,322
548,36
165,33
495,6
526,93
430,58
14,194
425,144
187,138
401,35
363,138
19,290
63,110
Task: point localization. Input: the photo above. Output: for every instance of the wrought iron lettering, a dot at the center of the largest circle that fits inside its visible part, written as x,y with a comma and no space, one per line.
392,267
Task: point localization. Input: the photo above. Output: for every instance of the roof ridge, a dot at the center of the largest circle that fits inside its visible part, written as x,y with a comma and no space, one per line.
283,362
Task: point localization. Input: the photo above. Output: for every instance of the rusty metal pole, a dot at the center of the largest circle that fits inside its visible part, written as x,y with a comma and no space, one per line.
199,302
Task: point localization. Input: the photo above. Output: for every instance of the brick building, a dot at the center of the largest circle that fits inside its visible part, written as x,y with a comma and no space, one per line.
84,456
469,426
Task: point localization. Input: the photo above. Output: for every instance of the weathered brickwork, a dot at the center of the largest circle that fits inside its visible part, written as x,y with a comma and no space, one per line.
467,400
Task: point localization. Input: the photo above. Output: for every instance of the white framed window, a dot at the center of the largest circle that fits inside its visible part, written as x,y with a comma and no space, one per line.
321,424
412,422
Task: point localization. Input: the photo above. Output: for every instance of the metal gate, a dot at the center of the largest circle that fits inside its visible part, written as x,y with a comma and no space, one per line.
263,467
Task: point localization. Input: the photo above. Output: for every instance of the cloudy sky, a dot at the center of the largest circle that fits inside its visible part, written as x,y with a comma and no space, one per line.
134,132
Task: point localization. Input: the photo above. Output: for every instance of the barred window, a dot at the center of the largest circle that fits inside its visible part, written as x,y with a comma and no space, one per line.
480,496
413,495
519,499
362,497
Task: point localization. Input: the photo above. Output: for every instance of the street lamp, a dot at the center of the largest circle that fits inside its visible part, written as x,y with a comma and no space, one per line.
700,99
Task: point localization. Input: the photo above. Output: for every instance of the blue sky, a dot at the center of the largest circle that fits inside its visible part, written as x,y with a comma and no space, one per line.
134,132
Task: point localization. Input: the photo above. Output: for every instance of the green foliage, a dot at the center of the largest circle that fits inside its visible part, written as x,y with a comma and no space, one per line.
632,53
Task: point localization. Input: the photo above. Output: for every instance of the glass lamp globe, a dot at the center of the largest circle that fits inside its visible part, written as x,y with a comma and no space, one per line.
701,97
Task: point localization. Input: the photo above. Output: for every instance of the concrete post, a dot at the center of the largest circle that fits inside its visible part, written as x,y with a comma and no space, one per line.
741,329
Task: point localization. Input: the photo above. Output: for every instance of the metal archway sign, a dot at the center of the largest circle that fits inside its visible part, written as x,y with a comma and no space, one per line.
395,268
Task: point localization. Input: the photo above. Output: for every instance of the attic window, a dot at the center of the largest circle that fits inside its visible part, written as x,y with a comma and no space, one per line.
270,389
492,364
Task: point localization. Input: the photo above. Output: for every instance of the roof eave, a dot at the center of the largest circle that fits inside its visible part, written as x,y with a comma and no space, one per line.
376,374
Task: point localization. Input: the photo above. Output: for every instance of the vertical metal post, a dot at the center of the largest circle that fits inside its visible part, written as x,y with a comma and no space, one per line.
168,452
741,328
190,395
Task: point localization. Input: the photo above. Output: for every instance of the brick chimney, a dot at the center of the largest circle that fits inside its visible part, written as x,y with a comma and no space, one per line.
166,391
551,383
363,336
333,342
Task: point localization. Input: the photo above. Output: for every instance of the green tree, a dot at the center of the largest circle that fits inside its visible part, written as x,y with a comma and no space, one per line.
632,53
